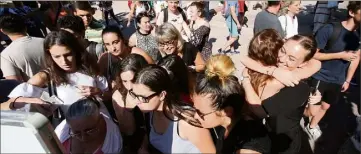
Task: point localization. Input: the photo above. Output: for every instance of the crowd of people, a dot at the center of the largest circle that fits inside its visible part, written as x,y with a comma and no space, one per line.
162,90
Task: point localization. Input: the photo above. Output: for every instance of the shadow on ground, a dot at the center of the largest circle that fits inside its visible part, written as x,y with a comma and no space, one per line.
122,17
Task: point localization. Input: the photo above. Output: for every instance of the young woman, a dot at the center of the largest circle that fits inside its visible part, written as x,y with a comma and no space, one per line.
168,130
70,72
170,42
218,100
144,38
131,129
117,49
283,107
288,18
88,130
199,29
179,75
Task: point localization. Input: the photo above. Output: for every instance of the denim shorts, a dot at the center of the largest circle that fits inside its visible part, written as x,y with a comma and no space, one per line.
232,26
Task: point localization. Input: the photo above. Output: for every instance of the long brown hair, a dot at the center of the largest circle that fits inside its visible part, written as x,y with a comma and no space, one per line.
84,61
264,48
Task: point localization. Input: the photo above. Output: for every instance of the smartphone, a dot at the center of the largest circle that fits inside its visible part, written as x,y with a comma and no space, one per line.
315,88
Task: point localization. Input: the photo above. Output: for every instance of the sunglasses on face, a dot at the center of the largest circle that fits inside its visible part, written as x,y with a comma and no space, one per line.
142,99
202,115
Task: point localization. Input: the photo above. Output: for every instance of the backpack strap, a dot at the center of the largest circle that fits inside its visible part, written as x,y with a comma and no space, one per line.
337,27
165,12
184,16
93,48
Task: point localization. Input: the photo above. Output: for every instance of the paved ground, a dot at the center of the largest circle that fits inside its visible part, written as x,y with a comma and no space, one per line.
338,122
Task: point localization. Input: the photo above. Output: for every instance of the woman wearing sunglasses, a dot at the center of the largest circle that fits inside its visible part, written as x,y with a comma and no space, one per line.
169,132
125,109
218,101
88,130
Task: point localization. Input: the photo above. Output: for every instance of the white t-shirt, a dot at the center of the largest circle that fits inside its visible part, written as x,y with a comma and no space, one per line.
289,25
23,57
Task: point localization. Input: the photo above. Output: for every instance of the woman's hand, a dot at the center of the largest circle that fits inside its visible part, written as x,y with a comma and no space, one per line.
286,77
314,98
89,91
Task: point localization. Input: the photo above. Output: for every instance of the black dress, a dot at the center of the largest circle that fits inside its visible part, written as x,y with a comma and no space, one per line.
250,134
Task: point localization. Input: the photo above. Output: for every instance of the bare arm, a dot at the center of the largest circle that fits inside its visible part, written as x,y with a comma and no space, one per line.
199,62
132,40
233,14
255,103
139,51
200,137
308,70
326,56
353,66
286,77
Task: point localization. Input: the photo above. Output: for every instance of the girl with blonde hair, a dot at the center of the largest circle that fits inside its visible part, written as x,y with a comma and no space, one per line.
218,101
288,18
170,42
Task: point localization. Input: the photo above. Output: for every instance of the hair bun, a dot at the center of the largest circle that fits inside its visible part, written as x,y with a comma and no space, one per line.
221,66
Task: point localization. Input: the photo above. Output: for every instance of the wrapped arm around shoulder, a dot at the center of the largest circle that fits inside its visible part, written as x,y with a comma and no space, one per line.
254,102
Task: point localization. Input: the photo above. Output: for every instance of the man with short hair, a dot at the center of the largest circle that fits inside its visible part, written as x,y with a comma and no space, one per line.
24,57
84,10
75,25
338,50
268,19
172,14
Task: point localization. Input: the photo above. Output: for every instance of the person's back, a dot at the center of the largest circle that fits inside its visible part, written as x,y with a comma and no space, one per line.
267,19
24,57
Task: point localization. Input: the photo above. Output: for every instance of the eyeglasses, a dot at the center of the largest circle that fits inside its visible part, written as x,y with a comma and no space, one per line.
202,115
168,43
142,99
88,132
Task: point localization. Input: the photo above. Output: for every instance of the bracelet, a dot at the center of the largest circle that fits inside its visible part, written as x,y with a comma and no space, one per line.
12,104
347,82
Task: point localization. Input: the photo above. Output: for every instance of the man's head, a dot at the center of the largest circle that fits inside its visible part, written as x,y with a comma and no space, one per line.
11,24
84,10
173,5
274,4
353,9
296,52
72,24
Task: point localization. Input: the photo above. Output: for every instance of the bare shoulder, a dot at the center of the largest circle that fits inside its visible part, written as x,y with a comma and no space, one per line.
118,98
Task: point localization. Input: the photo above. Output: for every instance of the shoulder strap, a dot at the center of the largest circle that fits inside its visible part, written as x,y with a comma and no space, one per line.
337,27
184,16
93,48
165,12
51,87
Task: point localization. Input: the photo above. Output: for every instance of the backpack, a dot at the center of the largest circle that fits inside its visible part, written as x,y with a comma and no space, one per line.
165,11
337,27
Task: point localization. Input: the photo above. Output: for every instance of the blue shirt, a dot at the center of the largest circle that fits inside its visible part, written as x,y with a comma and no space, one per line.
334,71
